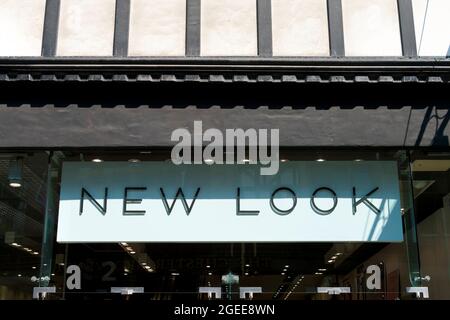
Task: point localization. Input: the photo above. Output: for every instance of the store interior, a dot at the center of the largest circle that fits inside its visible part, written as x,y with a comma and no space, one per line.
177,271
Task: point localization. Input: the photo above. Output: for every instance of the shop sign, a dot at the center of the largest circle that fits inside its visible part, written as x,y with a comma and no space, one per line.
306,201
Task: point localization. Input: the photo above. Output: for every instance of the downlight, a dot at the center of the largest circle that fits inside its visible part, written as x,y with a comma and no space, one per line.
15,173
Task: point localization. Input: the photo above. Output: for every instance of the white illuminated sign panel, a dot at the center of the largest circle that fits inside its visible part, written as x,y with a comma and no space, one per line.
306,201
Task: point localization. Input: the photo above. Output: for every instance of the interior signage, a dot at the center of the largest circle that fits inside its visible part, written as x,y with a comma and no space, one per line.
162,202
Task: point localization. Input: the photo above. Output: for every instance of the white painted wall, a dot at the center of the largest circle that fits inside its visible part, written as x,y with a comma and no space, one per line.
300,28
21,27
157,28
228,28
432,24
371,28
86,28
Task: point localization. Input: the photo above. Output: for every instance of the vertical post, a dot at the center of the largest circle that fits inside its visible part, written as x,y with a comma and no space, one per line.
193,14
121,28
407,31
409,220
51,24
264,19
336,28
48,236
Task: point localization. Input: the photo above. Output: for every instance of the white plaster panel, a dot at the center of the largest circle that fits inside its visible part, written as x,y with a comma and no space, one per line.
371,28
86,28
432,24
300,28
21,27
157,28
228,28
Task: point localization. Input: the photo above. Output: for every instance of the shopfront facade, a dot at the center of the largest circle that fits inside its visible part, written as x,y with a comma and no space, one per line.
94,207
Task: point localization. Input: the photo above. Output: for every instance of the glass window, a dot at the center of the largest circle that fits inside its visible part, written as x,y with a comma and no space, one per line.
431,172
359,270
289,270
23,191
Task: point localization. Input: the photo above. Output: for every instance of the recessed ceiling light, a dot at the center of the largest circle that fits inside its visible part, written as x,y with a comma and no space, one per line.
330,261
33,268
15,173
334,257
282,273
209,161
53,274
175,273
35,252
19,275
208,266
132,252
320,160
319,273
286,266
246,160
15,184
246,273
322,269
284,160
209,273
97,160
358,160
247,265
134,160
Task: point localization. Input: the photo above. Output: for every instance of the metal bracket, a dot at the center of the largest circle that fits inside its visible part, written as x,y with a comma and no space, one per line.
249,290
419,291
41,292
333,290
127,290
217,291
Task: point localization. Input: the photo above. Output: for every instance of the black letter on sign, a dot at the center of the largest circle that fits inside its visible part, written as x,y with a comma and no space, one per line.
321,211
278,210
240,212
187,208
93,201
132,201
365,200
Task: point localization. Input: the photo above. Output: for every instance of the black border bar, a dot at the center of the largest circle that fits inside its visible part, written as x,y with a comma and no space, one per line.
121,28
51,24
407,31
264,20
193,13
336,28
